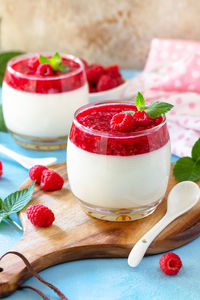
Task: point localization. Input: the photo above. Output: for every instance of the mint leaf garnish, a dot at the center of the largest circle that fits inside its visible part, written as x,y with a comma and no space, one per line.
44,59
188,168
2,123
139,101
156,109
55,62
15,202
128,112
196,151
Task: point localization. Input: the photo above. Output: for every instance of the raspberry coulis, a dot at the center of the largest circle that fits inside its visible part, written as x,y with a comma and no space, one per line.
19,76
91,131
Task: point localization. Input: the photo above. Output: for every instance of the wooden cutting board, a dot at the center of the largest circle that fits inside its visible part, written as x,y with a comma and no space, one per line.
74,235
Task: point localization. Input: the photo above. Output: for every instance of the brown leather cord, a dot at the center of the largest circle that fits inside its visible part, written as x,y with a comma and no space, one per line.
35,290
35,274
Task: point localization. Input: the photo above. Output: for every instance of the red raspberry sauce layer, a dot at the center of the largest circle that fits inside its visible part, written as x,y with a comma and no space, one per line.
28,81
96,135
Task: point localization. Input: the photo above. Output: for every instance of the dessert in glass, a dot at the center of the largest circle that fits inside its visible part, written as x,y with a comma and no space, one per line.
39,100
118,160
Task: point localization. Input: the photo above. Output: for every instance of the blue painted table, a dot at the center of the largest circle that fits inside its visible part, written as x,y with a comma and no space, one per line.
99,279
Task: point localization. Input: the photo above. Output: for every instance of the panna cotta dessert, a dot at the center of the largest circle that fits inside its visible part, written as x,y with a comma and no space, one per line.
118,160
40,95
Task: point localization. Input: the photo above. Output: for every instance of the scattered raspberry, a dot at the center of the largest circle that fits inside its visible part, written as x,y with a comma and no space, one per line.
33,62
170,263
51,181
35,172
1,168
94,72
44,70
40,215
141,118
113,71
105,83
122,122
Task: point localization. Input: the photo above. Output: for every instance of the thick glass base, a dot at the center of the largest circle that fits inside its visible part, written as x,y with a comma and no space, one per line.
45,144
119,215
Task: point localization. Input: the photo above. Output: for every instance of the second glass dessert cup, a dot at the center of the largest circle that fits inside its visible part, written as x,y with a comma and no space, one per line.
38,110
117,176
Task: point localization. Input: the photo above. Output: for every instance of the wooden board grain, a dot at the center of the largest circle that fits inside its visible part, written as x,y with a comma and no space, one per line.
74,235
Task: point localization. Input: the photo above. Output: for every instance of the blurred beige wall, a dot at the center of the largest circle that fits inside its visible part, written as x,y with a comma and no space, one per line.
104,31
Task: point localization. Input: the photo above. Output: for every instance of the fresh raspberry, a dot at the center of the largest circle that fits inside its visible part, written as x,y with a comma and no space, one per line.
44,70
122,122
40,215
51,181
170,263
118,80
33,62
35,172
113,71
92,89
1,168
158,120
141,118
94,72
105,83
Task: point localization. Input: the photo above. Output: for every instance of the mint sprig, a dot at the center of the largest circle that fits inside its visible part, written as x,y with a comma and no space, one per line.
55,62
154,109
14,203
188,168
140,102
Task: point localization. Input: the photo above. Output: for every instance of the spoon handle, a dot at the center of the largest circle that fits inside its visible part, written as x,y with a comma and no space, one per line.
15,156
138,251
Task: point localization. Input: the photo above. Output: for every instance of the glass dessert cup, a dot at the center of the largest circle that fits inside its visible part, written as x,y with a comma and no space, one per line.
117,176
38,110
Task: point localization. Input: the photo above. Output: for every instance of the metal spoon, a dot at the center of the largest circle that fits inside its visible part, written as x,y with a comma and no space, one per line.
181,198
27,162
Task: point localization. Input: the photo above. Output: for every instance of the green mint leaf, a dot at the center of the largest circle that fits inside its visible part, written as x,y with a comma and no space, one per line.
128,112
2,123
196,151
1,203
139,101
2,218
44,59
4,58
16,201
63,68
55,62
156,109
187,169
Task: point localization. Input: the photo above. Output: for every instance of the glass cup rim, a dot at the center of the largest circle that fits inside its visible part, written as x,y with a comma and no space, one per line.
30,77
105,134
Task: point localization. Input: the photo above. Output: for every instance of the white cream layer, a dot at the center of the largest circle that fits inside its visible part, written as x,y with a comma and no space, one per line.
41,115
118,181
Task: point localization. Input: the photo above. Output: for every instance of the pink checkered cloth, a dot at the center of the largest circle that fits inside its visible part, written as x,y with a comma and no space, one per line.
172,74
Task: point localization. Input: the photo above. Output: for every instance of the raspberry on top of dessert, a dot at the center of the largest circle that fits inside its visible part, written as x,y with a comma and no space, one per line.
102,78
28,74
108,128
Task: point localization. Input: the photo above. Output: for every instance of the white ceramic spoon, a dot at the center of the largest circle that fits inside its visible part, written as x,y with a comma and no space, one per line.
27,162
182,198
